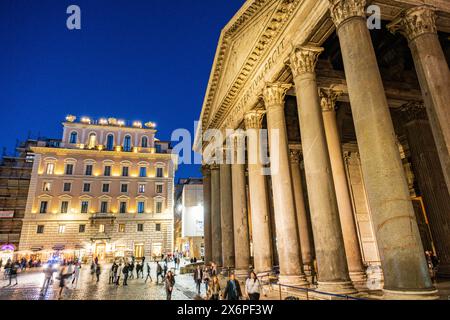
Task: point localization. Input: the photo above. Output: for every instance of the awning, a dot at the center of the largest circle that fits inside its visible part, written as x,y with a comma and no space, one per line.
79,247
36,249
59,247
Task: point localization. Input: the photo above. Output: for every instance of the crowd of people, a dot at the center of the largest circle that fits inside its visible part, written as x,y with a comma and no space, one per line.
209,277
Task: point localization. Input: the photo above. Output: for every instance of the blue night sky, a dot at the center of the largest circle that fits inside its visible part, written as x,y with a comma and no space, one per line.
146,60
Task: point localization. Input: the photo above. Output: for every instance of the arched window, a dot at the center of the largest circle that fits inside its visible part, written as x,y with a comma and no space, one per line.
92,141
73,138
110,142
144,143
127,143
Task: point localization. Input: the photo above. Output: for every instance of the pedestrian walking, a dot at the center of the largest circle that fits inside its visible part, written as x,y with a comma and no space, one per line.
126,274
76,275
253,287
165,268
233,289
159,272
206,277
148,273
62,281
48,278
111,273
12,274
93,266
118,273
131,269
98,271
198,277
213,289
170,283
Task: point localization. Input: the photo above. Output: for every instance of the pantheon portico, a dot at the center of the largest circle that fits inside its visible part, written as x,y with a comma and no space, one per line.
361,120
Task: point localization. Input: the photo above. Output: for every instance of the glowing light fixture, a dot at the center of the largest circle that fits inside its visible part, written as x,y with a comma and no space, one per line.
71,118
121,123
86,120
103,121
137,124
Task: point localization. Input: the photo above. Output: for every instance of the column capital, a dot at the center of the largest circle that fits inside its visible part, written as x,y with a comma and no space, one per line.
295,155
414,110
304,59
415,22
342,10
274,94
328,98
253,119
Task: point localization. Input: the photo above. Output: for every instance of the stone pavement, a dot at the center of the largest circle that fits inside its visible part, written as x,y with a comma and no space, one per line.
30,283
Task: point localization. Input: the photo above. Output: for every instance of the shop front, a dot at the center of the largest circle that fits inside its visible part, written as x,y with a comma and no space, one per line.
7,252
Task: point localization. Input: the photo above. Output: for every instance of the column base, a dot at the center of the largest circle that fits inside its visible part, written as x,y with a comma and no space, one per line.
410,295
359,280
339,288
295,281
241,274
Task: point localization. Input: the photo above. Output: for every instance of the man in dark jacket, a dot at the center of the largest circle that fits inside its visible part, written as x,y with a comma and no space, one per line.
198,277
233,289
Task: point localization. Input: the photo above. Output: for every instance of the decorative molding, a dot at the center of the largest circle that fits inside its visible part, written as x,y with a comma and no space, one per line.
274,94
328,98
342,10
415,22
214,166
304,59
254,119
414,110
206,170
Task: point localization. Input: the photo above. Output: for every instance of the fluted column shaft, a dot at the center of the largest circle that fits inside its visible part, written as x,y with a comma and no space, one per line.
226,212
329,244
258,193
240,213
207,213
403,260
288,242
430,179
418,25
216,229
302,215
348,224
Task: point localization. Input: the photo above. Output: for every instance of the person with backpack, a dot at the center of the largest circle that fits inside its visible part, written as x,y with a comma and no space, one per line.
232,289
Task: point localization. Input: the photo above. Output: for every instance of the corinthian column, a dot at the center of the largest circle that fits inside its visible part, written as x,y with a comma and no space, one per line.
226,213
302,215
240,214
216,230
259,206
206,171
349,232
288,243
403,260
331,262
430,179
418,25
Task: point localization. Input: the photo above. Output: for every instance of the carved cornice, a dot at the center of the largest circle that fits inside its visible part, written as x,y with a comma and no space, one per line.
274,94
295,156
414,110
342,10
328,98
415,22
254,119
304,59
278,21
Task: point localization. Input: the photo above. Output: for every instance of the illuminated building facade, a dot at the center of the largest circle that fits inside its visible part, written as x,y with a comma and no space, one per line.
106,192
